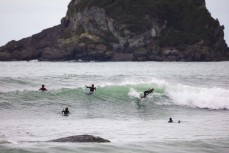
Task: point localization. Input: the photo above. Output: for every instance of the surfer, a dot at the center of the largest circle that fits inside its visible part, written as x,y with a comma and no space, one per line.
43,88
170,120
92,88
65,111
147,92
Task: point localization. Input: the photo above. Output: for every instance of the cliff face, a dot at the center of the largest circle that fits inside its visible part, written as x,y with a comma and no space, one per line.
119,30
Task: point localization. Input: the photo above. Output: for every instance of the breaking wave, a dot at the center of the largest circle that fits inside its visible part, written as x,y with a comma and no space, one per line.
175,94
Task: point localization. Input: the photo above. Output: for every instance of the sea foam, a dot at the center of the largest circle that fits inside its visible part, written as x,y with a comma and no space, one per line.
190,96
201,97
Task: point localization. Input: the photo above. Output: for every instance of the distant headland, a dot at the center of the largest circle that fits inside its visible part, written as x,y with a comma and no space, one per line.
126,30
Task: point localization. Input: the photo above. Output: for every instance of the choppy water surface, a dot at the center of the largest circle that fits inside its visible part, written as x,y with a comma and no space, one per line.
197,94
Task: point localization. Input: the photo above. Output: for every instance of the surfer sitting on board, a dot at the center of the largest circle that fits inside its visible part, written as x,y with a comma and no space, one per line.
170,120
92,88
66,111
147,92
43,88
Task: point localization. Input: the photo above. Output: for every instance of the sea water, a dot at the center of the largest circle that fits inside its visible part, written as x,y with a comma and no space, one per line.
196,93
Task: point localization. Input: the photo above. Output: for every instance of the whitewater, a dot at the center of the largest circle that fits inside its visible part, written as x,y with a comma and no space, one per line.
196,93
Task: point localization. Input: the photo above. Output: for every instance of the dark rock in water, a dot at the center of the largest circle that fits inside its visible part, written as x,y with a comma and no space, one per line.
127,30
81,138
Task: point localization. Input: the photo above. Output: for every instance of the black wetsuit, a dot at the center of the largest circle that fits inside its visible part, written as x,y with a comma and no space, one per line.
146,93
170,120
43,89
92,89
66,112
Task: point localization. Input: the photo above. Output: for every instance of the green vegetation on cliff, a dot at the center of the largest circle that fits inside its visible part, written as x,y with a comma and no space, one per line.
184,19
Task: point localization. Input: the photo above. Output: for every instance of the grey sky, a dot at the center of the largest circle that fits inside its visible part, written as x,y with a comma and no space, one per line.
23,18
219,9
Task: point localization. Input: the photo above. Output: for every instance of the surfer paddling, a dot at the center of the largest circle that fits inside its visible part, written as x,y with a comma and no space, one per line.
43,88
66,111
171,121
147,92
92,88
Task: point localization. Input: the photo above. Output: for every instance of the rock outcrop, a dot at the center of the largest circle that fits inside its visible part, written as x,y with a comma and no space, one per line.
127,30
81,139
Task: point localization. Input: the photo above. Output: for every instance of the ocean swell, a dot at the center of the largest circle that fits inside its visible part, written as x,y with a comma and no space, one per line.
164,93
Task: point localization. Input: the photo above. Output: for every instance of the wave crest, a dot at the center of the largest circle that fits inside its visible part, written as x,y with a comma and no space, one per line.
165,93
211,98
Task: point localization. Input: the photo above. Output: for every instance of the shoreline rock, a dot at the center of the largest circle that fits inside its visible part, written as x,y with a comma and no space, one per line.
81,139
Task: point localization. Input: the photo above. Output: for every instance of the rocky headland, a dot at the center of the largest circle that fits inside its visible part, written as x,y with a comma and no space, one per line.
127,30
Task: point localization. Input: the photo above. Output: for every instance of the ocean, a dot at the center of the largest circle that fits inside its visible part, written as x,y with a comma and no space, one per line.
194,93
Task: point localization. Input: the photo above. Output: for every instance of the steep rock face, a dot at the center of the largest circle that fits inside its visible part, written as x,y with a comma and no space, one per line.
160,30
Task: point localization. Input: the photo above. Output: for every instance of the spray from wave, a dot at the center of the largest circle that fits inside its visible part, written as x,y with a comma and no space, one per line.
211,98
183,95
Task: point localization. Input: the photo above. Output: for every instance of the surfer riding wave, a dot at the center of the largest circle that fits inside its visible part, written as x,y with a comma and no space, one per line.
92,88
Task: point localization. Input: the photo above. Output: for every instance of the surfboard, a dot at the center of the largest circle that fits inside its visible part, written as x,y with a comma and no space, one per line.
142,100
141,96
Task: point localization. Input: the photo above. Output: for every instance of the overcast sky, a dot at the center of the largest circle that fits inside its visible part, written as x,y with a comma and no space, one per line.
23,18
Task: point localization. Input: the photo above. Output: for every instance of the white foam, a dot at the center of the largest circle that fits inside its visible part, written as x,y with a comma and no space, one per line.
212,98
134,81
133,93
185,95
